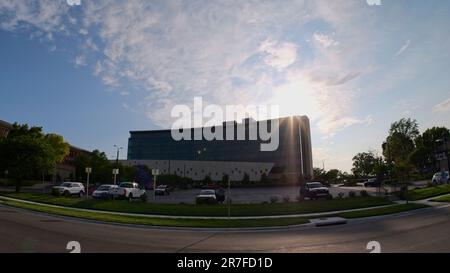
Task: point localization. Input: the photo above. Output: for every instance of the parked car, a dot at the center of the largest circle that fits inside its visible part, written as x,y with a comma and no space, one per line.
69,189
315,190
206,197
441,178
128,190
103,191
372,182
220,195
162,190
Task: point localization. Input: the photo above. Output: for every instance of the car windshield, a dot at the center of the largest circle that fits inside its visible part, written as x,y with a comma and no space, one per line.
104,188
126,185
207,192
161,187
67,185
314,185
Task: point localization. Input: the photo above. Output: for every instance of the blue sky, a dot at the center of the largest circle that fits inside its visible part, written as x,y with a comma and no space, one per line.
95,71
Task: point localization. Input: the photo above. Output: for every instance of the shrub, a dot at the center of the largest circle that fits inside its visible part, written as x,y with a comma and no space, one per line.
273,199
352,194
286,199
364,193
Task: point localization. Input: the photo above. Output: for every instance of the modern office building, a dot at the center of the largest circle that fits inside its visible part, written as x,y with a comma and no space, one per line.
196,159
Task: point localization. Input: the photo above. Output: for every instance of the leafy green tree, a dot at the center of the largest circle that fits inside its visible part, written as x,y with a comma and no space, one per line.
101,167
27,151
364,164
423,157
319,174
400,145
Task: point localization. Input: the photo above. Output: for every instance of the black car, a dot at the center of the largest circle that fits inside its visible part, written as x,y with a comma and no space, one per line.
315,190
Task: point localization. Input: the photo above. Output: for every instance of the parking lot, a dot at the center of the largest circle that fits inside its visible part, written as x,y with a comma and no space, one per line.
245,195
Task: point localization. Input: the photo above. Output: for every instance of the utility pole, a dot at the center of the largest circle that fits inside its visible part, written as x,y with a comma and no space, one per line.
155,173
88,172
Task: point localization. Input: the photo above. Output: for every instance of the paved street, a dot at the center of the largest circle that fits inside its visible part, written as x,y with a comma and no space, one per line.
424,231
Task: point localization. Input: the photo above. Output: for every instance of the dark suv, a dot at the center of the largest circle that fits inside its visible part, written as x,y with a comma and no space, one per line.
315,190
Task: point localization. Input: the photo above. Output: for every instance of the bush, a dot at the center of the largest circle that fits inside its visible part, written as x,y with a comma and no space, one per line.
364,193
352,194
286,199
273,199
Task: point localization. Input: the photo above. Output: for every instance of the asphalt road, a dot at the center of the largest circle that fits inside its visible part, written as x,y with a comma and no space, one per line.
423,231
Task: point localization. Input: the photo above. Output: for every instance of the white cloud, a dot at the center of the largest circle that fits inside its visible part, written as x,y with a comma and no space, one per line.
279,55
403,48
442,107
229,52
324,40
80,61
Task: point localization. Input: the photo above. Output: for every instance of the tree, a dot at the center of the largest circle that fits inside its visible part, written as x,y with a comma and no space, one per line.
332,175
101,167
400,144
364,164
423,157
27,151
319,174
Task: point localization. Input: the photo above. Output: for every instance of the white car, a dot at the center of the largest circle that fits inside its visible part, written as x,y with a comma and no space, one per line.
128,190
206,197
68,189
438,178
102,192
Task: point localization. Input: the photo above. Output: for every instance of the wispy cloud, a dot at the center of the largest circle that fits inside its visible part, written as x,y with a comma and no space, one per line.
228,52
442,107
403,48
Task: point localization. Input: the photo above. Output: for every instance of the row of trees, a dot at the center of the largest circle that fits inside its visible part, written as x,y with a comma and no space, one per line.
404,150
28,152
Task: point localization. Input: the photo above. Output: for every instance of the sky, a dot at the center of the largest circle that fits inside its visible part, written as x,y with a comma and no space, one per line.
94,70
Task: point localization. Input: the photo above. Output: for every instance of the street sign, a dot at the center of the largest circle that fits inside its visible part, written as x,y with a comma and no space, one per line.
155,172
88,170
115,171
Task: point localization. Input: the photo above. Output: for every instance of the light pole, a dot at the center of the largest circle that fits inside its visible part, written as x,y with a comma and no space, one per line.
115,173
88,172
229,198
155,173
118,153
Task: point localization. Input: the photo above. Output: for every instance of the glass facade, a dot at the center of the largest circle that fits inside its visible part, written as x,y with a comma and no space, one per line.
292,156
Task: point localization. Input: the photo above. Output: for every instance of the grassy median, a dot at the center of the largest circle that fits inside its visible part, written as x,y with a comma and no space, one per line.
445,198
208,210
429,192
137,220
381,211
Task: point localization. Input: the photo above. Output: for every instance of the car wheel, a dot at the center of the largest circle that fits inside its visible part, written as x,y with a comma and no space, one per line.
130,197
67,194
81,194
144,198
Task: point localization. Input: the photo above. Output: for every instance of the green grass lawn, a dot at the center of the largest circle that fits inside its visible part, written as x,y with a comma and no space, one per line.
136,220
427,192
442,199
381,211
208,210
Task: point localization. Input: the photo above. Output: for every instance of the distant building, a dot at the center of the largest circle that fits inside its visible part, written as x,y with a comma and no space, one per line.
443,155
66,170
5,127
197,159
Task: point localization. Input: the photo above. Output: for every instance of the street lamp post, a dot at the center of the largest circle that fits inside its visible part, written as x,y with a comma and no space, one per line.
88,172
118,153
115,173
155,173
